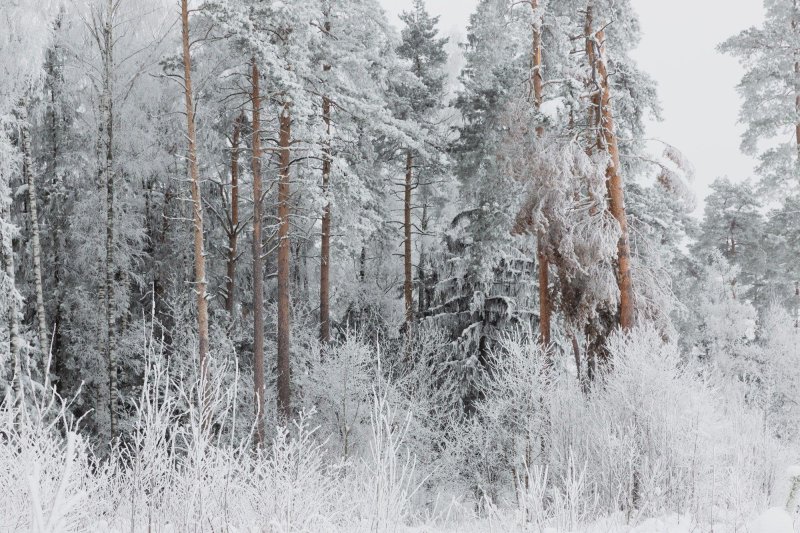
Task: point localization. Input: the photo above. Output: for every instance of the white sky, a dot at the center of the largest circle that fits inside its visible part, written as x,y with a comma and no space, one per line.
697,85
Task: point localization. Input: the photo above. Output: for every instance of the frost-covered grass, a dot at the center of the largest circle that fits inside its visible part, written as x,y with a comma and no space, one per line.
655,446
177,473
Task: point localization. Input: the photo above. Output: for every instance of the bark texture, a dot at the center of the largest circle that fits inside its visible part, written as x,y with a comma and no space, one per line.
107,146
258,272
197,213
30,180
616,195
233,228
284,252
545,304
325,242
408,280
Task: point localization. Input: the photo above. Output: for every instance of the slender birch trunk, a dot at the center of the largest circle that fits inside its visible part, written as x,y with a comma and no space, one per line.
33,211
107,145
258,265
284,251
197,213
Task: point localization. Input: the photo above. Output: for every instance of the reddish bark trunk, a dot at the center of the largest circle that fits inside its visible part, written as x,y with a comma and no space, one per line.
197,216
233,234
325,245
545,304
259,387
284,250
616,195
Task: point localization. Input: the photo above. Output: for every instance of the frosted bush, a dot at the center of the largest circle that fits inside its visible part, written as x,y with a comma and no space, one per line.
651,437
182,470
51,480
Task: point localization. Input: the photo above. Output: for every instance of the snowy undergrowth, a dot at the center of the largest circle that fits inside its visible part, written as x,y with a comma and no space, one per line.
653,447
180,472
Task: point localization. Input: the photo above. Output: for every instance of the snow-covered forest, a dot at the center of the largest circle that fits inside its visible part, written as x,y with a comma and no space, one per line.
271,265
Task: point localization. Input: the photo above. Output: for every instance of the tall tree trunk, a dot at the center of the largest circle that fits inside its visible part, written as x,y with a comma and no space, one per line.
57,186
30,180
233,230
362,264
593,122
107,144
325,242
545,305
258,265
616,195
325,245
197,215
284,251
422,304
54,86
408,285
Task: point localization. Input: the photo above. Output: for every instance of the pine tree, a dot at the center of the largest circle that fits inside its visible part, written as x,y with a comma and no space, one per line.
770,90
418,99
284,246
733,225
607,139
258,274
325,237
197,212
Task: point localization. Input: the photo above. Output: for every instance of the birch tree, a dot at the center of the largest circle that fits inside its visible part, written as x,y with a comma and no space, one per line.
30,181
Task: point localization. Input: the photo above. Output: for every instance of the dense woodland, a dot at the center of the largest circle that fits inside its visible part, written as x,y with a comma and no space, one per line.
269,266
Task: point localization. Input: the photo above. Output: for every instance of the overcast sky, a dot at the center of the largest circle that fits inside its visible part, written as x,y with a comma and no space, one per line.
697,86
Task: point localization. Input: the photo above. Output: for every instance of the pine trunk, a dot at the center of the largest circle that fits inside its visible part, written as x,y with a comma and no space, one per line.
197,215
233,230
545,305
595,138
284,252
325,245
258,266
422,303
30,180
616,195
408,285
